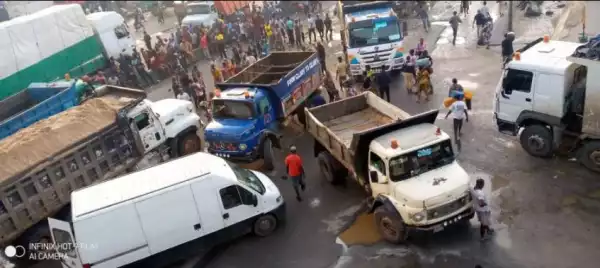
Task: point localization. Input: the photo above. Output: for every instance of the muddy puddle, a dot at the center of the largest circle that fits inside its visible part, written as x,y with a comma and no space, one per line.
363,231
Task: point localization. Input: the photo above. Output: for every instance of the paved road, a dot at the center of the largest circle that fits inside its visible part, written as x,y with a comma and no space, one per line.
545,211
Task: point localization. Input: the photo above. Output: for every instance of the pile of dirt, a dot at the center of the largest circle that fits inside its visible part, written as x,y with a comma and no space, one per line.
47,137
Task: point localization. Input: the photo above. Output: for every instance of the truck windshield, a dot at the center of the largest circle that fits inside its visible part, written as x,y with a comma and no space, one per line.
369,33
247,178
198,9
231,109
420,161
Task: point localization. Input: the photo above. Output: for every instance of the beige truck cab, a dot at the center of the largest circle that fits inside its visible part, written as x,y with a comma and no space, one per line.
405,163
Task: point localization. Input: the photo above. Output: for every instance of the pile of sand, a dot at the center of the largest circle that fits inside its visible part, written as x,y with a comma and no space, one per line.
47,137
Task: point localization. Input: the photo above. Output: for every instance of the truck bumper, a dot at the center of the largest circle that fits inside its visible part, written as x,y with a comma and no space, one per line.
439,226
237,157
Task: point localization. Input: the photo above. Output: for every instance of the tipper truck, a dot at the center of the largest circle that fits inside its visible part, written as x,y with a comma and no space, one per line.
405,163
249,107
550,94
373,37
98,140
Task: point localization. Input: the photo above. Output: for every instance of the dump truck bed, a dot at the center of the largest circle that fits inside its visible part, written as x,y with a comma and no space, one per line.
45,162
292,77
339,126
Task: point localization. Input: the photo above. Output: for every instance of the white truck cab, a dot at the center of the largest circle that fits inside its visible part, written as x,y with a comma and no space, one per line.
114,34
200,199
200,13
552,99
415,168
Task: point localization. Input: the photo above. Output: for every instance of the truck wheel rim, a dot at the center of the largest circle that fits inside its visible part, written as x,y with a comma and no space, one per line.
536,142
264,224
388,228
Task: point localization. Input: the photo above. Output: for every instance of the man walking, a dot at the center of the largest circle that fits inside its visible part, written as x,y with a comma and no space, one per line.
482,209
328,27
311,29
383,82
320,27
295,171
454,21
422,12
458,109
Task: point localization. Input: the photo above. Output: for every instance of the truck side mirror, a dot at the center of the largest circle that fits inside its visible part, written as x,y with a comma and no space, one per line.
254,200
373,175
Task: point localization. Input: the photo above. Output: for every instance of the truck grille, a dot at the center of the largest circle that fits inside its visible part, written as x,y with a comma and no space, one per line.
449,208
376,56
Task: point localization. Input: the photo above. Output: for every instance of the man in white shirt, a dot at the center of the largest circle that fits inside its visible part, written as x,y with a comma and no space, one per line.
482,209
458,109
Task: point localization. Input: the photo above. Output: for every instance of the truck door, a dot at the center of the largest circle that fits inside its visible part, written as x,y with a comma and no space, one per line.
62,235
266,113
515,94
237,205
149,129
378,176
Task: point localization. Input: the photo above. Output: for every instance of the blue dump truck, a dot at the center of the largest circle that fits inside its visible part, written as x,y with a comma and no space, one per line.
36,102
248,108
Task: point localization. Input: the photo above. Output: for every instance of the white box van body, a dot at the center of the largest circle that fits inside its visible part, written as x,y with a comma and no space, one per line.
114,34
199,197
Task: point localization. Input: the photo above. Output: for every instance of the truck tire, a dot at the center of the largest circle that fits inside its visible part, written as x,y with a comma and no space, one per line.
389,226
264,225
537,141
326,167
589,155
268,154
189,143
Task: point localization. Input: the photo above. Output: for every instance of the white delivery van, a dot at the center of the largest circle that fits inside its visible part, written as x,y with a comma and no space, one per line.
113,32
199,197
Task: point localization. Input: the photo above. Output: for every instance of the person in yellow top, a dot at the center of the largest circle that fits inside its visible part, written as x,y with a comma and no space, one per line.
221,44
424,84
216,73
268,30
341,72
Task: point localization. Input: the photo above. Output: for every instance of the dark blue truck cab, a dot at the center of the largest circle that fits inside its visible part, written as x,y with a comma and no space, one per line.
248,108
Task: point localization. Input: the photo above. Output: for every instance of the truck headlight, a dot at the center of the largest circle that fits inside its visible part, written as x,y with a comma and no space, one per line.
243,146
419,216
279,199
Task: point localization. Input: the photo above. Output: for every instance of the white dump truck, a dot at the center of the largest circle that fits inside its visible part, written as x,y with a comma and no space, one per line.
99,139
551,96
404,162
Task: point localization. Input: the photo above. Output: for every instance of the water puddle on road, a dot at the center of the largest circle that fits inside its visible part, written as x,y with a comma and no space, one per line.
363,231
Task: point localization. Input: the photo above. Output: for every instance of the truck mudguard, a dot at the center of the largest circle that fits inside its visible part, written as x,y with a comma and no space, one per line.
382,200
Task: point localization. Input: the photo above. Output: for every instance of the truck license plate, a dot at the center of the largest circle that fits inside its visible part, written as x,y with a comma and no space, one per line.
438,228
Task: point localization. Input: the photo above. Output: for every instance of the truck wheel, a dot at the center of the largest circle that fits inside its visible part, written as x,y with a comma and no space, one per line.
389,226
268,154
265,225
326,167
537,140
189,144
589,155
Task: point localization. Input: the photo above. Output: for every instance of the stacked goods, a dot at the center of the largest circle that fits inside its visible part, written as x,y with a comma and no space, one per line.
46,45
47,137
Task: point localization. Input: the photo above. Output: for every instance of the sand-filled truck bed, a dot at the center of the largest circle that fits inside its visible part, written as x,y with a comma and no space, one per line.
340,125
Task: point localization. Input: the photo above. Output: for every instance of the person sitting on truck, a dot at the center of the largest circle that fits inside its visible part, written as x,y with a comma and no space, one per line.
295,170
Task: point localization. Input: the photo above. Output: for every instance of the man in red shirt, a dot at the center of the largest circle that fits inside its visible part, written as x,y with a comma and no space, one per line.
293,165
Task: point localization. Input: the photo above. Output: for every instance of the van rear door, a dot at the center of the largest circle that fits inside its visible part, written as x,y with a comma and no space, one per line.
62,235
